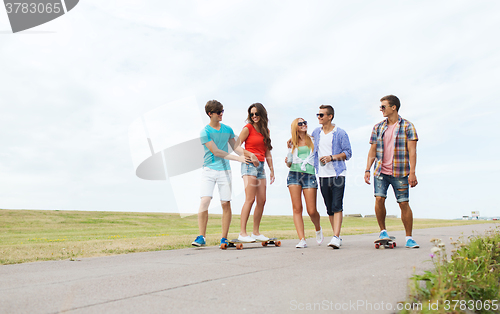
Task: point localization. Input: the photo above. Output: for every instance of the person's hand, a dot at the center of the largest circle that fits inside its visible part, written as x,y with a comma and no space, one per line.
286,162
254,160
367,177
243,159
289,143
271,177
412,180
325,159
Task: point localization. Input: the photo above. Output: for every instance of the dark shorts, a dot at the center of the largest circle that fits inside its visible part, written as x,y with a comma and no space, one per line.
306,180
332,189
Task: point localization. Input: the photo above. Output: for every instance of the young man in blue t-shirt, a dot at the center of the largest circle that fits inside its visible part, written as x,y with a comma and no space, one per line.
215,138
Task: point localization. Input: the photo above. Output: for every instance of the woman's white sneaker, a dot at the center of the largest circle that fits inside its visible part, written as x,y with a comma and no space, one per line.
302,244
259,237
247,239
319,236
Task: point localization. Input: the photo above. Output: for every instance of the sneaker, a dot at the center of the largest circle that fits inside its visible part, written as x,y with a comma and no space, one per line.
199,241
411,244
384,235
335,243
259,237
319,236
302,244
223,240
246,239
340,241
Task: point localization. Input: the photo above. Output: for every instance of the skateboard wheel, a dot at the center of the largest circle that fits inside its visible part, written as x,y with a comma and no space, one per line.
394,244
377,245
264,243
223,246
277,243
239,246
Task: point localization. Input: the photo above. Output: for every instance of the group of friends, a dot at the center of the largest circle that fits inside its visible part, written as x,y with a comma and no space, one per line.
319,155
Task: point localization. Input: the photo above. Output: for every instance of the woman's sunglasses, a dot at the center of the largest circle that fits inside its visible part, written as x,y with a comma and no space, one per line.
254,114
302,123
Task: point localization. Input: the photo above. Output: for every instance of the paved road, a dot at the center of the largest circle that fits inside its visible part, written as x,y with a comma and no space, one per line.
253,280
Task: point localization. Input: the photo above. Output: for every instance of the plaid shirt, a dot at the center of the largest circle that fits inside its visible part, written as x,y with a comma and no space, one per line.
401,162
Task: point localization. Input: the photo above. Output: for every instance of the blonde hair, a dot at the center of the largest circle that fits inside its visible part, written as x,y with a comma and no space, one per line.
295,136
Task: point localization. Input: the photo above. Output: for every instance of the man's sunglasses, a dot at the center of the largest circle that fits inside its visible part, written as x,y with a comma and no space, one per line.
302,123
254,114
320,115
384,106
218,112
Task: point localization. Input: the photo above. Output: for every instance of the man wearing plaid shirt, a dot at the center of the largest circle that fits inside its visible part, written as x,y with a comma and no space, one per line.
394,151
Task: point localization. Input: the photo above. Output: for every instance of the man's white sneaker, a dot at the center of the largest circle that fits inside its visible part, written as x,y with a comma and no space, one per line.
259,237
246,239
335,243
319,236
302,244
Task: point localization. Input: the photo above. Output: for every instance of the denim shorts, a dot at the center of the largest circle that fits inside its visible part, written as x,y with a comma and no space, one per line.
250,170
306,180
399,185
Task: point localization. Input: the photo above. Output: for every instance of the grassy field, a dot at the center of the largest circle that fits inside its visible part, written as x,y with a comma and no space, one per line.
41,235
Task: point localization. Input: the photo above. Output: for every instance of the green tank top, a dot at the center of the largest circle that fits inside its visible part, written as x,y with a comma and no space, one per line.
303,152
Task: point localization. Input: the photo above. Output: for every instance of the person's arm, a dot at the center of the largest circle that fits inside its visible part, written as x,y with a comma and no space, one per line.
372,154
269,159
412,150
222,154
243,137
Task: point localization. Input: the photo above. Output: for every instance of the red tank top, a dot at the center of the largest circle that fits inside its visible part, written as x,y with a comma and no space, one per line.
255,143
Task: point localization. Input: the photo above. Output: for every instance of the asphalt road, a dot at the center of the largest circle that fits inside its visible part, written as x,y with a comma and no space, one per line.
354,279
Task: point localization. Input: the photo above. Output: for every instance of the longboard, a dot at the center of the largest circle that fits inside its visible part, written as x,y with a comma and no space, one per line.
385,243
239,245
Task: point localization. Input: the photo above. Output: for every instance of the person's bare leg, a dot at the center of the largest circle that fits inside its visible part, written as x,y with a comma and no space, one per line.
310,197
380,211
203,214
250,190
407,217
259,207
226,218
336,222
295,195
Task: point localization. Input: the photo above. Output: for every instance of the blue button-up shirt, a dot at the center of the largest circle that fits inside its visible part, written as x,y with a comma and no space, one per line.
340,144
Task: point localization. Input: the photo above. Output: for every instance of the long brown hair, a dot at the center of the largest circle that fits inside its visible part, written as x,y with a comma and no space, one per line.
295,136
262,124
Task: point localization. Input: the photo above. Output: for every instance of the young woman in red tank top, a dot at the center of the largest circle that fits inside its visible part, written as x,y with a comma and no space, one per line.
257,141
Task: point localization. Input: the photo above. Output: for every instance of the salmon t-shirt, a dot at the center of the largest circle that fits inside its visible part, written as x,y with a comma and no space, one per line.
388,149
255,143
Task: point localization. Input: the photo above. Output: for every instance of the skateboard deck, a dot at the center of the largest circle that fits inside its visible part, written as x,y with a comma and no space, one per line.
239,245
385,243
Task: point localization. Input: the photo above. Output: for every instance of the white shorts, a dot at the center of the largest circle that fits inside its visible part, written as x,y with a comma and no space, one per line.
210,177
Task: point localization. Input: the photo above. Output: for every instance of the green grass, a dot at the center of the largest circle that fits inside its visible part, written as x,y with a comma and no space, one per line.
467,282
37,235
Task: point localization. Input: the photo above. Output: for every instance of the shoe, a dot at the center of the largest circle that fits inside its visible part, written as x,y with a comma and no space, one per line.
384,235
335,243
246,239
259,237
223,240
200,241
302,244
340,241
411,244
319,236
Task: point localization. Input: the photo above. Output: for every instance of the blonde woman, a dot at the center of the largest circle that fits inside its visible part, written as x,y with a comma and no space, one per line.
302,180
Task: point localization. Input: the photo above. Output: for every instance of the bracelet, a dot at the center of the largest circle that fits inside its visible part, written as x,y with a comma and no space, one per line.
331,157
367,171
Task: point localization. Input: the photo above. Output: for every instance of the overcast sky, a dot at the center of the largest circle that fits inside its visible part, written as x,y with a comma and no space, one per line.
71,89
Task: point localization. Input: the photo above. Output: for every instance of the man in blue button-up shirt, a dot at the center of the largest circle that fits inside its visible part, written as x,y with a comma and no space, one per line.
331,149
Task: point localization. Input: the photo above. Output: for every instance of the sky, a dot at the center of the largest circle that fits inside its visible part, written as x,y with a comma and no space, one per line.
73,92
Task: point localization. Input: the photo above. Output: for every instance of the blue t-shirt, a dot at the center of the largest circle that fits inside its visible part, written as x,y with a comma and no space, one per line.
220,138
